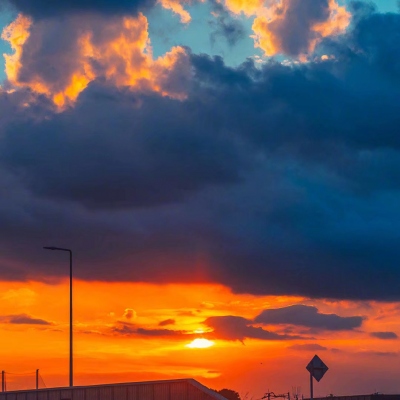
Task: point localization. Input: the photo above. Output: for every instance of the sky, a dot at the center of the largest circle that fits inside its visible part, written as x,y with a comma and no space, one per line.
226,173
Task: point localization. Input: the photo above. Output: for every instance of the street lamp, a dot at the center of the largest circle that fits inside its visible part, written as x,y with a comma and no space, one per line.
70,310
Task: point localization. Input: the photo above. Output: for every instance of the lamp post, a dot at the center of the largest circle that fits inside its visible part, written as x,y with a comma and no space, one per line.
70,310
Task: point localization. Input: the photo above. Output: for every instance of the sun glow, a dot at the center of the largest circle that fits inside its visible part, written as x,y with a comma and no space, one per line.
200,343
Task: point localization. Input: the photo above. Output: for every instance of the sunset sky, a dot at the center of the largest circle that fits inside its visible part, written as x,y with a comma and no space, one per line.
227,174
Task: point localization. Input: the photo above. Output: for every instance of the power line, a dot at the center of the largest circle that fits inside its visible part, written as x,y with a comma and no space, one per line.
22,380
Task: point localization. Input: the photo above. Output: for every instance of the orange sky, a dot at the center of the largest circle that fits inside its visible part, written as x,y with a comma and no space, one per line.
104,354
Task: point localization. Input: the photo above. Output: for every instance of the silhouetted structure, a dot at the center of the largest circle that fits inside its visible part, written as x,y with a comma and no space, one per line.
375,396
179,389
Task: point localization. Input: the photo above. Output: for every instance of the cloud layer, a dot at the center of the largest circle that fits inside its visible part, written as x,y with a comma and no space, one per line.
228,327
59,59
308,316
292,27
45,8
272,178
238,328
23,319
384,335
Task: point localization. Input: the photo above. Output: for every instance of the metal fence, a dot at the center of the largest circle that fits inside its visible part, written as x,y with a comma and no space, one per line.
361,397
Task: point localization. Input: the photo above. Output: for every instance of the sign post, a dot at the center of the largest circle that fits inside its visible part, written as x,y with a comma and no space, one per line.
317,368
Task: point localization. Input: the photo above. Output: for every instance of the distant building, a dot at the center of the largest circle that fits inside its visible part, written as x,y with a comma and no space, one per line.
179,389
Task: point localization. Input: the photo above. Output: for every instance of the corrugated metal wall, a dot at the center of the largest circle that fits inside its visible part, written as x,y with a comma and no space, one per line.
361,397
158,390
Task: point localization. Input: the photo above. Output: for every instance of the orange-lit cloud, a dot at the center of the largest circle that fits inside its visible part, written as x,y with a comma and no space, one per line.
16,34
292,27
130,313
337,23
117,50
177,7
248,7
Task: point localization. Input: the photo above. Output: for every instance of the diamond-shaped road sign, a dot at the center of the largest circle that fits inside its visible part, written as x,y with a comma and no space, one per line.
317,368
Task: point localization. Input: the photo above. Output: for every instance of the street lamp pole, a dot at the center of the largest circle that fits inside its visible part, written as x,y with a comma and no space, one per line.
70,311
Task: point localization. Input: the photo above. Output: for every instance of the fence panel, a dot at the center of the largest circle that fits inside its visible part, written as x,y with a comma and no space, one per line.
105,393
78,394
133,392
120,392
146,392
179,391
92,393
66,394
43,395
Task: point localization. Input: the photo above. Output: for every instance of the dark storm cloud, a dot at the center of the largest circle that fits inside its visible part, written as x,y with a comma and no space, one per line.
270,179
23,319
146,161
384,335
46,8
308,316
233,328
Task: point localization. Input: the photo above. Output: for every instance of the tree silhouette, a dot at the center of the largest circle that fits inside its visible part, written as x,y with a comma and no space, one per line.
229,394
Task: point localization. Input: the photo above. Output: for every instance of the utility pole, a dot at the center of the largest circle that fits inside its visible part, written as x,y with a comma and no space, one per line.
71,360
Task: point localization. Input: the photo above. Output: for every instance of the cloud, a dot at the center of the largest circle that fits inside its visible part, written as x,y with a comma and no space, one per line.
207,304
225,26
230,328
48,8
293,27
132,330
129,314
384,335
22,297
129,169
59,59
259,179
176,7
23,319
186,313
233,328
308,347
166,322
378,353
308,316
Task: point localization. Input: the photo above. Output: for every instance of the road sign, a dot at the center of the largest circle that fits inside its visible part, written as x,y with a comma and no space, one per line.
317,368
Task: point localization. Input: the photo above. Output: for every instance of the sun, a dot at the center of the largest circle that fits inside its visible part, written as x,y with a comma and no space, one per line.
200,343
